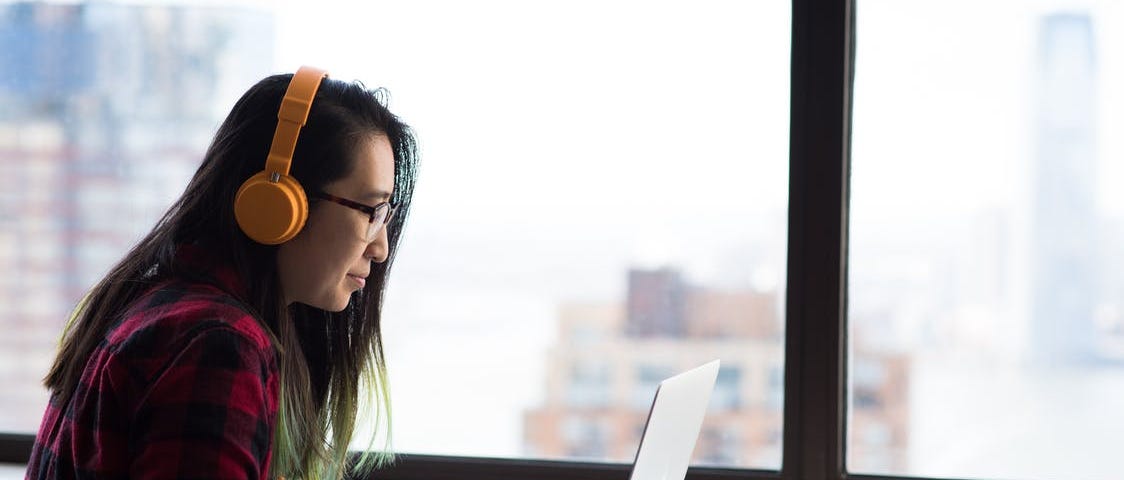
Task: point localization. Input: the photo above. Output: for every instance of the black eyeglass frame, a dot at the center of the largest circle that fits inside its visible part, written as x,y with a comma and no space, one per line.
371,211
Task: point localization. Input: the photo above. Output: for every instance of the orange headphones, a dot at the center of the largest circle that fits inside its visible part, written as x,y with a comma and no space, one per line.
271,206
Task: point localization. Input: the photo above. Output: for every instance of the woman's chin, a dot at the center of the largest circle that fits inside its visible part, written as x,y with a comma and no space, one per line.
334,305
339,306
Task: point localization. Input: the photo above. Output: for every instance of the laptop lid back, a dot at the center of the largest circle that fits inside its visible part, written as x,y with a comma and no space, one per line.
673,424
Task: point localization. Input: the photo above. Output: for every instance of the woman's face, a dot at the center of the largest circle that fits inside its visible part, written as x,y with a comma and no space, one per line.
330,258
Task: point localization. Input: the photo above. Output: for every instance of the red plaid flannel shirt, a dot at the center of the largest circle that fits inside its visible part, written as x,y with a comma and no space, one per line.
185,386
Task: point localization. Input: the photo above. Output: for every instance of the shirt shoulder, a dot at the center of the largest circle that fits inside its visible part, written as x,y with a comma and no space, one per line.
182,349
173,313
190,350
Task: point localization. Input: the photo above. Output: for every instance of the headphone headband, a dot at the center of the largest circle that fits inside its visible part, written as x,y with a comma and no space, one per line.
291,117
271,207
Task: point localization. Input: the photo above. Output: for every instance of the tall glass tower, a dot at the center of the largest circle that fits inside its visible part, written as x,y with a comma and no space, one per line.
1063,204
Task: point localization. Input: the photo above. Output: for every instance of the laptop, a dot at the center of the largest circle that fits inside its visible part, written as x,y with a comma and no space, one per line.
673,424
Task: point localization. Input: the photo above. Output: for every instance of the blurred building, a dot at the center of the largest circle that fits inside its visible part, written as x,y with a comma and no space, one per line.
878,424
1064,216
602,375
107,110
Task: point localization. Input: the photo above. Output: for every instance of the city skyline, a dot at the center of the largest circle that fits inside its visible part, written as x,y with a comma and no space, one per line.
609,357
95,151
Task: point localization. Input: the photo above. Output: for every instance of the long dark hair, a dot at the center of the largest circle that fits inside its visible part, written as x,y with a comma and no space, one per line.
326,359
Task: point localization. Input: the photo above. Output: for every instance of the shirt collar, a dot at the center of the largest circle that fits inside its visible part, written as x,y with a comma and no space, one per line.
199,262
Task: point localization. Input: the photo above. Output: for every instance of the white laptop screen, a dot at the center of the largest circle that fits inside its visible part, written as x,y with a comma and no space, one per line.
673,424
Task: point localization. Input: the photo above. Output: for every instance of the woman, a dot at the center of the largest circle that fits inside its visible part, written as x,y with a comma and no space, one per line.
234,340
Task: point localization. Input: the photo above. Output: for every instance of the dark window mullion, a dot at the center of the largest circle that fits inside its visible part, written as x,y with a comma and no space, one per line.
816,334
15,447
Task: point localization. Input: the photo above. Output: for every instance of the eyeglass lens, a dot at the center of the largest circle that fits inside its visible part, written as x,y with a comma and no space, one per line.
378,221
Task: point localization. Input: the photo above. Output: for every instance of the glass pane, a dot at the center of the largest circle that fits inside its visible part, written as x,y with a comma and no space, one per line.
107,109
985,270
602,200
602,204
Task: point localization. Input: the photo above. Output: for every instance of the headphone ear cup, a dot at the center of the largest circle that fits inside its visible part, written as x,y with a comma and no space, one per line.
271,212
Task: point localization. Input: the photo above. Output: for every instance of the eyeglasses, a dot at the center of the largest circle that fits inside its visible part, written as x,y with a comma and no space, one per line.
380,214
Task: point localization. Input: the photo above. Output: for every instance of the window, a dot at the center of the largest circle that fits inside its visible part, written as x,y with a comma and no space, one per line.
825,378
589,385
92,152
985,248
644,385
603,181
585,439
625,171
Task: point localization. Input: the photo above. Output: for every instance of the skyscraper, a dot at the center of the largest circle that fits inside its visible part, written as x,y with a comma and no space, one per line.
1063,203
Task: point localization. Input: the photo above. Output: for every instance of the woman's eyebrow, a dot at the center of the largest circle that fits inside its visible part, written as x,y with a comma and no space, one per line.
376,195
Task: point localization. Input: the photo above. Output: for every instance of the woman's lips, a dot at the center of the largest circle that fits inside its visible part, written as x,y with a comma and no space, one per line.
357,279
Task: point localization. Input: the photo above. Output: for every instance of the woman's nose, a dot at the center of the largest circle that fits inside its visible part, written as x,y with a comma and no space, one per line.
379,248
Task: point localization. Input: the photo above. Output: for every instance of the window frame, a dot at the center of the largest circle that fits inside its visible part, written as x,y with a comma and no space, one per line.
822,61
15,447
